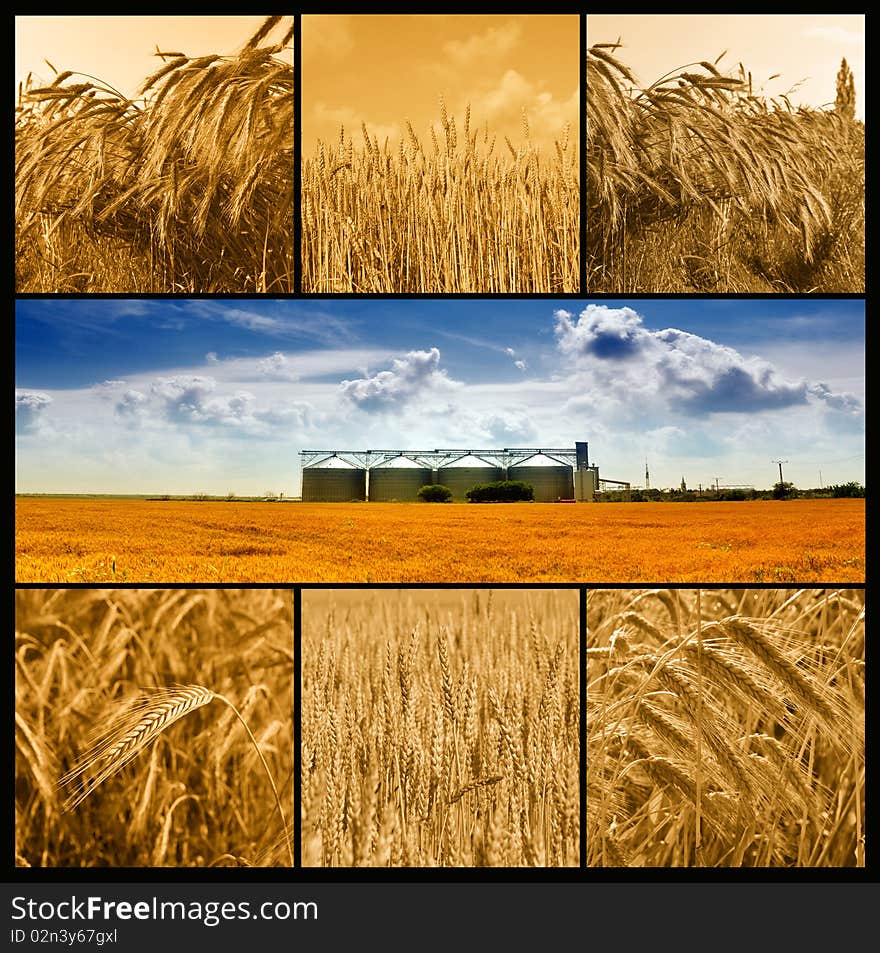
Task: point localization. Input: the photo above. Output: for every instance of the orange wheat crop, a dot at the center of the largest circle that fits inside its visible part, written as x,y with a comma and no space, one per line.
106,540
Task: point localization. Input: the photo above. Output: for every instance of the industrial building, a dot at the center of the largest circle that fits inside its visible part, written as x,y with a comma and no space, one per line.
333,480
384,476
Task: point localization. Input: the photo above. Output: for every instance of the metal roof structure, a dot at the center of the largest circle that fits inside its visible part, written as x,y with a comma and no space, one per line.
506,457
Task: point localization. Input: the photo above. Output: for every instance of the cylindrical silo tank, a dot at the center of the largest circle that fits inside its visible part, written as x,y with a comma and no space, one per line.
399,479
333,480
465,472
551,479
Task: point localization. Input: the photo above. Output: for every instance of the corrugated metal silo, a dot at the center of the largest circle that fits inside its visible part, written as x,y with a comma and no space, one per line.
398,479
465,472
333,480
551,479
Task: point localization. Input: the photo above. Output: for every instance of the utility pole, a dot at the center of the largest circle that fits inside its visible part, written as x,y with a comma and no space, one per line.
647,476
716,485
779,463
820,479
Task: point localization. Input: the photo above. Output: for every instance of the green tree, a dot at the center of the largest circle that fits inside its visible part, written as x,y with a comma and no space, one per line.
435,493
501,491
845,101
851,489
784,491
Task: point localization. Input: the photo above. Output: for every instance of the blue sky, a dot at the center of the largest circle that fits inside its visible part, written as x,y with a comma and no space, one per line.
151,395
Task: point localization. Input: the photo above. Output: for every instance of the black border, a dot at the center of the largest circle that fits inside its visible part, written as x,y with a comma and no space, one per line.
298,874
388,875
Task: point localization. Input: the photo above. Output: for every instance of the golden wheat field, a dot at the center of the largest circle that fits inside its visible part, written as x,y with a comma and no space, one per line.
107,541
440,728
153,728
450,212
188,188
699,183
726,728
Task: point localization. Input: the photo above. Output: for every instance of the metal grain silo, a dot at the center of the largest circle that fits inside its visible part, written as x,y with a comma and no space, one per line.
333,480
465,472
400,478
551,479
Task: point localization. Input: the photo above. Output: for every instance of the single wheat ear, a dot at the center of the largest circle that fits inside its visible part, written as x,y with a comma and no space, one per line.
128,733
135,728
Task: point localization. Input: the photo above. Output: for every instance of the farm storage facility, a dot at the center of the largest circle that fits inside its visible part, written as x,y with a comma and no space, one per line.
460,475
551,479
398,479
386,476
334,480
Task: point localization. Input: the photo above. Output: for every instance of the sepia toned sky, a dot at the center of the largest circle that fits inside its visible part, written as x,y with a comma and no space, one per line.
119,395
119,49
383,70
799,47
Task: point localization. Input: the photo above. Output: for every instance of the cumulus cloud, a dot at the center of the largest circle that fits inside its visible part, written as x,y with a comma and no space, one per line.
132,407
183,398
519,363
690,374
513,93
276,367
413,377
30,410
479,47
196,402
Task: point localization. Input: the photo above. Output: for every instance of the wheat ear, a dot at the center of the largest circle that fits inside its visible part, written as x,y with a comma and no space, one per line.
136,727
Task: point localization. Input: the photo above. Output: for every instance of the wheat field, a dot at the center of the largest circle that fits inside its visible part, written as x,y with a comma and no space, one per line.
452,211
153,728
188,188
726,728
440,728
108,541
699,182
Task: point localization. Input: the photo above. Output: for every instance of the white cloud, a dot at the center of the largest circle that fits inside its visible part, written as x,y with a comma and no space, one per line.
625,363
132,407
520,365
192,402
31,407
276,367
300,321
479,47
509,428
513,93
411,379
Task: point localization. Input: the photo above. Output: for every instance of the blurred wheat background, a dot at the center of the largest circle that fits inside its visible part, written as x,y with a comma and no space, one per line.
440,728
186,188
726,728
127,750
